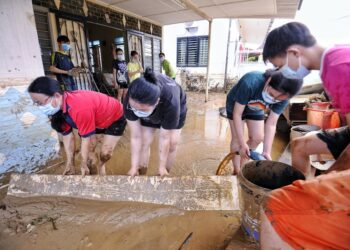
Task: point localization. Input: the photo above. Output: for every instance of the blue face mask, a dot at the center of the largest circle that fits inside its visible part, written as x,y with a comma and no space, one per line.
268,98
65,47
289,73
48,109
142,114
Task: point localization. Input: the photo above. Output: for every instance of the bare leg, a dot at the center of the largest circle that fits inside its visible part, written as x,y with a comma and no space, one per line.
234,147
125,91
108,145
120,94
174,139
255,135
302,148
147,139
269,239
255,132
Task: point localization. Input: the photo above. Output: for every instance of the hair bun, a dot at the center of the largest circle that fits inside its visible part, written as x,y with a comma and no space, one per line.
149,75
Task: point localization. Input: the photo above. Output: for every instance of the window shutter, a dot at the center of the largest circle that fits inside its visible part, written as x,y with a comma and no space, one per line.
148,52
192,51
203,52
156,51
181,52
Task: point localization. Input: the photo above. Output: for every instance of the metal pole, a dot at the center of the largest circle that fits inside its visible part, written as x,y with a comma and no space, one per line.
207,86
227,52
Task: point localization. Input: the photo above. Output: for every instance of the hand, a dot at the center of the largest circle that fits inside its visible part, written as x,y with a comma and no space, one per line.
133,172
163,172
267,156
244,151
84,169
69,169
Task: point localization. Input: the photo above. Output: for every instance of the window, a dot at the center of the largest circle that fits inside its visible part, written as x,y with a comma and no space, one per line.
42,27
192,51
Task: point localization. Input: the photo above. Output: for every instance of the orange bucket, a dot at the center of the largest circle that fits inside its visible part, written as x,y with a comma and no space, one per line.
321,115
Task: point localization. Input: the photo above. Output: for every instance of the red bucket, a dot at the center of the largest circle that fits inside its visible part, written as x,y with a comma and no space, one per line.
321,115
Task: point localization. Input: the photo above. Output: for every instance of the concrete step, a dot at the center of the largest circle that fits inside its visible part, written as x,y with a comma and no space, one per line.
185,192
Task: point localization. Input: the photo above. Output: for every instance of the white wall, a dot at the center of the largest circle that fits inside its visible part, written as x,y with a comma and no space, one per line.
27,140
19,45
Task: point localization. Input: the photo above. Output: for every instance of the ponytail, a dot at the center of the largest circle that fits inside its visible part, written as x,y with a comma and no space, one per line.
145,90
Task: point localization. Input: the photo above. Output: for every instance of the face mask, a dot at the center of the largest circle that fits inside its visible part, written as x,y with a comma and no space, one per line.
161,59
48,109
65,47
268,98
120,57
300,73
142,114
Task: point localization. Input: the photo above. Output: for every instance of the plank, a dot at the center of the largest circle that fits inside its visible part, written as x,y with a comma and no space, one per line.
185,192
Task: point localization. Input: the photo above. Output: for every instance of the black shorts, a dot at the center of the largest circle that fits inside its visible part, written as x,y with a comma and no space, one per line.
116,128
248,116
123,85
336,139
152,125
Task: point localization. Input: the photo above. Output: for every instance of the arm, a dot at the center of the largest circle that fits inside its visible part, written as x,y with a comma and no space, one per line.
237,121
84,150
53,69
136,143
141,68
164,146
270,130
69,148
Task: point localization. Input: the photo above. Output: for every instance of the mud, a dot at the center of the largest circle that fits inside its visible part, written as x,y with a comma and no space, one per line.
49,223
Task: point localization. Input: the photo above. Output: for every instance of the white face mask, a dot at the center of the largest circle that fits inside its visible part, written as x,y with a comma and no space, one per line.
268,98
120,57
161,59
142,114
48,109
300,73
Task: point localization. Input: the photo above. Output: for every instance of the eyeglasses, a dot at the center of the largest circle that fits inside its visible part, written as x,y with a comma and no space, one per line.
137,110
36,103
275,98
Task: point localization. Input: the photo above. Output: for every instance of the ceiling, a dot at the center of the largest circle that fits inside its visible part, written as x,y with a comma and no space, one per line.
165,12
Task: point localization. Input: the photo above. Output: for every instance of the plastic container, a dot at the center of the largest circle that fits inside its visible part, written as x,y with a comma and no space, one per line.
256,180
321,115
301,130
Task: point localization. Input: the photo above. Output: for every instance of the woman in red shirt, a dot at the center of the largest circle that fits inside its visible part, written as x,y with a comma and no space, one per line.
87,111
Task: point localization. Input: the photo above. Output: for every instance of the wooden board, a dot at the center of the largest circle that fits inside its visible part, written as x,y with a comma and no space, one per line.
186,192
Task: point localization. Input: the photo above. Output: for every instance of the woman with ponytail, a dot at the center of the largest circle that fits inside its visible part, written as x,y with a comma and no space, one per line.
154,102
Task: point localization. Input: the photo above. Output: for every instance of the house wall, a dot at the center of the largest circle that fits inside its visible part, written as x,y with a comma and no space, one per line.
27,141
218,46
19,46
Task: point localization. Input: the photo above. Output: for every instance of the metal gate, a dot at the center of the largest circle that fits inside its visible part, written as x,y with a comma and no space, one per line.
76,34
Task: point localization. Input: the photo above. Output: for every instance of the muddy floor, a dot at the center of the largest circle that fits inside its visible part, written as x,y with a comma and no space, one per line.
49,223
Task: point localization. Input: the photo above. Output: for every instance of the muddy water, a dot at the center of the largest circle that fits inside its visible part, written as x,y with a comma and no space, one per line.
104,225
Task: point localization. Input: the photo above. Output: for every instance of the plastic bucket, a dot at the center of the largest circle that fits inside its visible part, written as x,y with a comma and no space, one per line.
319,114
301,130
256,180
